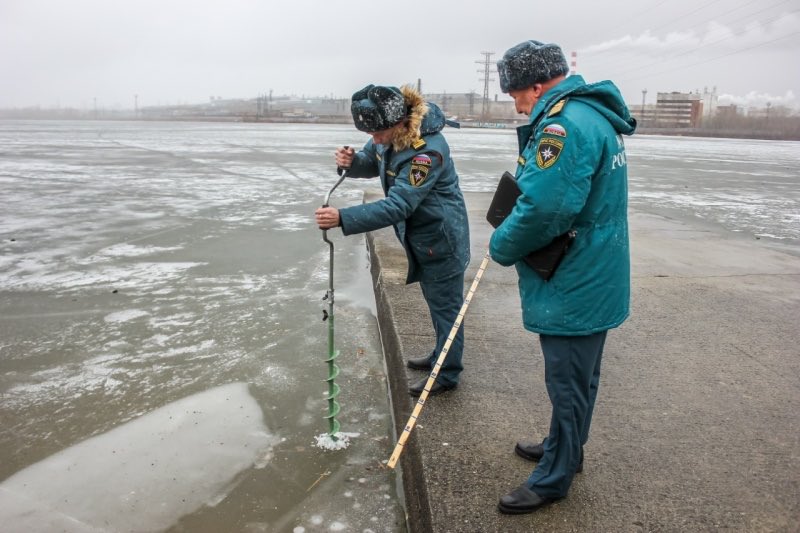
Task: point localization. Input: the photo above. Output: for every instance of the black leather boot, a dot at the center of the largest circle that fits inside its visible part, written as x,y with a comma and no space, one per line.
522,500
420,363
437,388
534,451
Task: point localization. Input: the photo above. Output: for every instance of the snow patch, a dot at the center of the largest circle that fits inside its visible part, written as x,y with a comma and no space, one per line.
125,316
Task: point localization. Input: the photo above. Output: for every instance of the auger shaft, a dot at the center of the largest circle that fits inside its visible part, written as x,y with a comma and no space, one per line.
333,353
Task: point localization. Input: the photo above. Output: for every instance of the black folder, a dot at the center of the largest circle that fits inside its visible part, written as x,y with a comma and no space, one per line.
543,261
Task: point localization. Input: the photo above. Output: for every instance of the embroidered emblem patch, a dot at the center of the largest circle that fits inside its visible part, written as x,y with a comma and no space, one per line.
555,129
420,166
548,151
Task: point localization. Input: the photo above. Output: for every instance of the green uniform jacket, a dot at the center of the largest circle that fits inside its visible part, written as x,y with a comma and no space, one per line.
423,202
572,172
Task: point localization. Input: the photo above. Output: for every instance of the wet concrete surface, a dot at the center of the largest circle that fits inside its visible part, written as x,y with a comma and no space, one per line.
696,424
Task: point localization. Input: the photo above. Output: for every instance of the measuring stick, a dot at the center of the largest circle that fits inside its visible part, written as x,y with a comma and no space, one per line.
412,421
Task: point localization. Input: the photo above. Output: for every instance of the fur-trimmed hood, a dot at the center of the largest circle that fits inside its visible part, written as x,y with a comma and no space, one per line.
423,119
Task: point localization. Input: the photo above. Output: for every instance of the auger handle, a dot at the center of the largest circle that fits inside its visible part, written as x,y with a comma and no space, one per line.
342,173
341,170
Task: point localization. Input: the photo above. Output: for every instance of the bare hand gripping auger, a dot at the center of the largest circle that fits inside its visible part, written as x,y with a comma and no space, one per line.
333,369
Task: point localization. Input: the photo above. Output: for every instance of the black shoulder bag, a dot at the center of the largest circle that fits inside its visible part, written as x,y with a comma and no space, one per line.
543,261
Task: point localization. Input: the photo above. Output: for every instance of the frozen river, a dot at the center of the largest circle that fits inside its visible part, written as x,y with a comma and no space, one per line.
161,334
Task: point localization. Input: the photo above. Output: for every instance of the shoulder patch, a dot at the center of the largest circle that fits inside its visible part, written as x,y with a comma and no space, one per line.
547,152
420,166
419,143
555,129
556,109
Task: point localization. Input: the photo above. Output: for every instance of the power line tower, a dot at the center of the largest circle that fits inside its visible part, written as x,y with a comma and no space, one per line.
487,72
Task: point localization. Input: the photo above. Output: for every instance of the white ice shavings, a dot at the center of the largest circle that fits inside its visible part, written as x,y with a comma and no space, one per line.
328,443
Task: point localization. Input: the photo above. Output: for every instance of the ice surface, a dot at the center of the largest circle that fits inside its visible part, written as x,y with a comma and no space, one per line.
139,476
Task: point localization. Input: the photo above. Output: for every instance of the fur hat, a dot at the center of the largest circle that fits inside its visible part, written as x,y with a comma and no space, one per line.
377,108
529,63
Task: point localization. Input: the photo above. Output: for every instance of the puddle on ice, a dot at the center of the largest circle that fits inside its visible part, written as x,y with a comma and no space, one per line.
145,474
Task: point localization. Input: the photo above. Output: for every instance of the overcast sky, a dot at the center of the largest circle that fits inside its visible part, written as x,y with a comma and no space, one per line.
69,52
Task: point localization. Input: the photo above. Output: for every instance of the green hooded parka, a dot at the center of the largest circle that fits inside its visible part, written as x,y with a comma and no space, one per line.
572,172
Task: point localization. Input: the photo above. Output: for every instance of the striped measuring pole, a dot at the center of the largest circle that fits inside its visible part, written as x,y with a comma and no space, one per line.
412,421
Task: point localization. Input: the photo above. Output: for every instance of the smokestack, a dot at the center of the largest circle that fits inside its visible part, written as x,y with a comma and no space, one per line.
574,64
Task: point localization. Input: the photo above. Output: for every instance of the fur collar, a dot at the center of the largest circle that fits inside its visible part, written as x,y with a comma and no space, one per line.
409,129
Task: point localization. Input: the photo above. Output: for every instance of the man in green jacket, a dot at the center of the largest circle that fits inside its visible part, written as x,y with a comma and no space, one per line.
423,203
572,174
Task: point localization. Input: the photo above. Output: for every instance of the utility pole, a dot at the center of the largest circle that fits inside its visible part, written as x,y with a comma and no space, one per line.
486,71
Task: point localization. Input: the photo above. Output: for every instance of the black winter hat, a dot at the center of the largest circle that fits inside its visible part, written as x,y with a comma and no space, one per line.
530,62
377,108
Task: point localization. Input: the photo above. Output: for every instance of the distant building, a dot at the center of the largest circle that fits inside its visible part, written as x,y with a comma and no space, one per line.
309,107
727,111
677,110
459,105
468,106
262,108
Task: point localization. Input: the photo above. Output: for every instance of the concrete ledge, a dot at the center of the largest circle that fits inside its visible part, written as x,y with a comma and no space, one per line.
385,261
